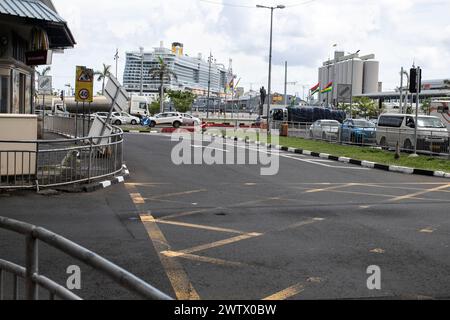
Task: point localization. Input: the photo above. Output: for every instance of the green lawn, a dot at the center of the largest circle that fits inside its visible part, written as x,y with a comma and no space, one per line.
362,153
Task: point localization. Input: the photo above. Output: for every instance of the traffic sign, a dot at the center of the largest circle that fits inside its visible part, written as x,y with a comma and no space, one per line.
45,85
84,84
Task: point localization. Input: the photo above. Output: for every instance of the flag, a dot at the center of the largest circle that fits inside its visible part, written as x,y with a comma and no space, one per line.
315,89
328,88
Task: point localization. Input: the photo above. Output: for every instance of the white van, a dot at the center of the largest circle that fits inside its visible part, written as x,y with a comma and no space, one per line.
432,134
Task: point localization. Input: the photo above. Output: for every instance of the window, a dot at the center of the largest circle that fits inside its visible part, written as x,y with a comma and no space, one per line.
4,94
390,121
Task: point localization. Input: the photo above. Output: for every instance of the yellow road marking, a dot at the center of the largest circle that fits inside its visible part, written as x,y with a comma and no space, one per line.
332,188
198,226
286,293
168,195
184,214
183,288
378,250
137,198
427,230
221,262
413,195
219,243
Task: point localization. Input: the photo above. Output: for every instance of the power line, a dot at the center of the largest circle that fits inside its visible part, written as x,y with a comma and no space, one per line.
227,4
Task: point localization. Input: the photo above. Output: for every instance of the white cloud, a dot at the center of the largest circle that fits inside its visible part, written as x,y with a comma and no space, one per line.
396,31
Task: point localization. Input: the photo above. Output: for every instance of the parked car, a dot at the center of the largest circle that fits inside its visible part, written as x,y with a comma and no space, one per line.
358,131
115,119
174,119
125,118
432,134
189,120
324,129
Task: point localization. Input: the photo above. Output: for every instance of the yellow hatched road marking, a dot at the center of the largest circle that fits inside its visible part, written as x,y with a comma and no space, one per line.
183,288
168,195
413,195
286,293
198,226
332,188
221,262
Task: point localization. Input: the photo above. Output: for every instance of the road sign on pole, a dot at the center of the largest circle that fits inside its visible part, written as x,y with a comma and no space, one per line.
45,85
84,84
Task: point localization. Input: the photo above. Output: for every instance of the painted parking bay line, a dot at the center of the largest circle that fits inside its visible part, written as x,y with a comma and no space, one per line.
286,293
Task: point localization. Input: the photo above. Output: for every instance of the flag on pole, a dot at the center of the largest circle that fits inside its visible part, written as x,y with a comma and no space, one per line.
315,89
328,88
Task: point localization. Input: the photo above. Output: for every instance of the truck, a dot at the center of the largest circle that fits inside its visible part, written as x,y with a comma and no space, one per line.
137,105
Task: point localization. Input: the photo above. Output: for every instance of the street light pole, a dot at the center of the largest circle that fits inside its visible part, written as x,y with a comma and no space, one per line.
269,95
142,70
209,86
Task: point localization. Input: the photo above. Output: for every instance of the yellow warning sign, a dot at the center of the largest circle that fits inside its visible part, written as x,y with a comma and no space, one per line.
84,84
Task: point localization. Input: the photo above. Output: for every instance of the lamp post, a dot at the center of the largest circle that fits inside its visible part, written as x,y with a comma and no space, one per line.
209,85
351,93
142,70
270,59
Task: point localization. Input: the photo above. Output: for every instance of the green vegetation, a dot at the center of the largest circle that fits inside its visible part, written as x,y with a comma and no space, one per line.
182,100
362,153
103,75
163,73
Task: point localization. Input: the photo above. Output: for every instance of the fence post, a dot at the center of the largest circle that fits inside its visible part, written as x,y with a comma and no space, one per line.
90,160
31,289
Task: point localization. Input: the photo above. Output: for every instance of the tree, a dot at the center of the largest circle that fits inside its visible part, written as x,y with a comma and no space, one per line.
426,105
163,73
154,107
366,107
44,71
103,75
182,100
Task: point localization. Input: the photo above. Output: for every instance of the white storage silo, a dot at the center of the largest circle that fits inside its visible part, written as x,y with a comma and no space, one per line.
371,76
358,76
340,72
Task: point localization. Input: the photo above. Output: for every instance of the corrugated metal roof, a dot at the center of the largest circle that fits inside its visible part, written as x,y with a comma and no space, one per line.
31,9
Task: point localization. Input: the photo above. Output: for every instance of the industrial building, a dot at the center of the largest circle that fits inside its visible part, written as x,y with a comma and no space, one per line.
360,73
193,73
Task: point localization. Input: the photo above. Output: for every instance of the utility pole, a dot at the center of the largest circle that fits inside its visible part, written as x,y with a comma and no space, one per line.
142,71
418,86
209,85
116,58
270,61
351,94
285,83
401,90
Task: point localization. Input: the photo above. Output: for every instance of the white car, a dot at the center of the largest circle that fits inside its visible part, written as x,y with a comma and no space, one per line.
175,119
324,129
189,120
115,119
125,118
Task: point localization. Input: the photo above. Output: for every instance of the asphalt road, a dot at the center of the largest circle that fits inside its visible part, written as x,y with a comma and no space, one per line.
227,232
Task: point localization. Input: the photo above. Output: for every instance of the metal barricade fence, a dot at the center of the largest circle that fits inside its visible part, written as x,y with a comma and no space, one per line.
33,280
431,142
50,163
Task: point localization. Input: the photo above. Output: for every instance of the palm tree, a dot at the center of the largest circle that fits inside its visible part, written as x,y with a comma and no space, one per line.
44,71
162,72
103,75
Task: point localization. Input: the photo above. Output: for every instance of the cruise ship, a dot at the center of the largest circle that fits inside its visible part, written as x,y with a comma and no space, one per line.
192,72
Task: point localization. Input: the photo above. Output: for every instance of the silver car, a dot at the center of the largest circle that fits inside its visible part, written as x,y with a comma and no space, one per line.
324,129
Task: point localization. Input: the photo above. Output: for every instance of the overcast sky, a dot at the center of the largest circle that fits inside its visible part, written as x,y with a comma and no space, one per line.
398,32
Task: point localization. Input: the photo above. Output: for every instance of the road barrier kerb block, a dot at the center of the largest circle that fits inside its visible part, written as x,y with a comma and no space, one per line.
344,159
324,156
368,164
307,152
440,174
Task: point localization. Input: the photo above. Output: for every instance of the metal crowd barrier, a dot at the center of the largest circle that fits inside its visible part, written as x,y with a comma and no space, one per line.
33,280
432,143
50,163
